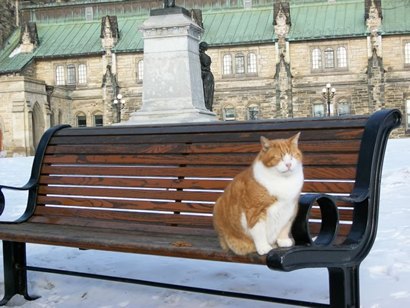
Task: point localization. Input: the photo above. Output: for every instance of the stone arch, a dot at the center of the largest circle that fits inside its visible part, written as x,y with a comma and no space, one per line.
38,123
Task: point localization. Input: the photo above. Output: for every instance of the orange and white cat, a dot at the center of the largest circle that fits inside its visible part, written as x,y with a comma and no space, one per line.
257,209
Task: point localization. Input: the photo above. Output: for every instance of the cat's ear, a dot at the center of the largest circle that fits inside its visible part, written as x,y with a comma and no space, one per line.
295,139
265,143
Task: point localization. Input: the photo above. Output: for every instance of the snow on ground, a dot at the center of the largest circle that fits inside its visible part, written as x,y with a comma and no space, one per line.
385,273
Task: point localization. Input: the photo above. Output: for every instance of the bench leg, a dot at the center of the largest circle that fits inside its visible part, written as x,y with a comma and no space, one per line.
344,287
15,273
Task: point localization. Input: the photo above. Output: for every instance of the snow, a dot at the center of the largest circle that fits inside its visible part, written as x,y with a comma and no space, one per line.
385,273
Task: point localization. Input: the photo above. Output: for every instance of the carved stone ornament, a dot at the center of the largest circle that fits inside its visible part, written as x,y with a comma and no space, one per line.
281,27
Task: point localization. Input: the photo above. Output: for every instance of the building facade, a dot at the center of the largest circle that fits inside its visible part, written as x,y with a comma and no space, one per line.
81,62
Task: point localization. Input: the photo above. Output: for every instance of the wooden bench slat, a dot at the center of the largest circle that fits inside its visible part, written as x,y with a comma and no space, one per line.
189,207
328,172
136,136
194,159
129,193
53,214
181,183
199,148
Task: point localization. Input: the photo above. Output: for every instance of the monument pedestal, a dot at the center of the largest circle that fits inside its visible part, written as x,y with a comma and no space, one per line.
172,83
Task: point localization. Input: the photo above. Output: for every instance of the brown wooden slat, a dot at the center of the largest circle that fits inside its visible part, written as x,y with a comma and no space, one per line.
189,207
137,136
344,214
199,148
320,187
144,171
53,215
195,159
93,192
135,182
343,173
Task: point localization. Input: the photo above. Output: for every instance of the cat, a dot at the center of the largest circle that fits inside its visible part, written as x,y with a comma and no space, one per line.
257,209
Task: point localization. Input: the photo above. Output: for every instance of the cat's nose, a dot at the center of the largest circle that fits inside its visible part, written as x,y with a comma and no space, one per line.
288,165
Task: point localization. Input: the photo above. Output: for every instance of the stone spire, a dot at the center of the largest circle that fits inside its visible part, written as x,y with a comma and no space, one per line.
283,77
29,37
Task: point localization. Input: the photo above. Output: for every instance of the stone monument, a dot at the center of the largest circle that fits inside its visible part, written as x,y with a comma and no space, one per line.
172,84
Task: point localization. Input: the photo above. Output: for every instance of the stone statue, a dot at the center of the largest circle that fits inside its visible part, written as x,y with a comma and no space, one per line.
207,76
169,3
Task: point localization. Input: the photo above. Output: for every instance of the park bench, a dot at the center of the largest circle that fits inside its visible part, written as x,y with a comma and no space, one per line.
150,189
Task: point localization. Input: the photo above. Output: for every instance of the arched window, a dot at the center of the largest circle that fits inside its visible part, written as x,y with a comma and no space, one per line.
253,112
60,80
229,113
239,64
140,70
82,74
341,56
227,65
81,120
343,107
407,53
329,58
252,67
98,119
316,59
318,109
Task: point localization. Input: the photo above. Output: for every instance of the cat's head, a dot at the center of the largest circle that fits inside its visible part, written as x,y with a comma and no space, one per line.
281,155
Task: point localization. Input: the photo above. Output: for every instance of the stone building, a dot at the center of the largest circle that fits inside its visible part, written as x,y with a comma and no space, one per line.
81,61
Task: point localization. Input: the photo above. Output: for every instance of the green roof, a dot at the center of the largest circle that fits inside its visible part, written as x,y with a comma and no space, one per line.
396,16
327,20
238,26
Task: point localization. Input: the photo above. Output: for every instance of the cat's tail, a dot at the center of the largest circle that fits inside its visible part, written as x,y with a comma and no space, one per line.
241,246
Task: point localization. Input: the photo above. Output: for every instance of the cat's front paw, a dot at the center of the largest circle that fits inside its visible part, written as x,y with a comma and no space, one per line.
285,242
263,249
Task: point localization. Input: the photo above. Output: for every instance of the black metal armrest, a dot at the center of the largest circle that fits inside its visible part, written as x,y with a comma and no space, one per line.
329,225
310,251
30,185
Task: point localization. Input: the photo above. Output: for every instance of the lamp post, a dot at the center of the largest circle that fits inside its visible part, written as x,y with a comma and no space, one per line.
328,93
118,104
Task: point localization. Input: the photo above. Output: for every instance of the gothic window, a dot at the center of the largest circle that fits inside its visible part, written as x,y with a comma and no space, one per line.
343,108
140,70
318,109
98,120
227,65
239,64
81,120
253,112
329,58
252,63
71,78
229,113
341,55
82,74
316,59
407,54
60,80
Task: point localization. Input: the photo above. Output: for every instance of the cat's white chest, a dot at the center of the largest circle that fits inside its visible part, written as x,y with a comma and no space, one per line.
285,188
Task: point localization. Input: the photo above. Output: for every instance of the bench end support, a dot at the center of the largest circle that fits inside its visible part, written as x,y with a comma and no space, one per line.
344,287
15,273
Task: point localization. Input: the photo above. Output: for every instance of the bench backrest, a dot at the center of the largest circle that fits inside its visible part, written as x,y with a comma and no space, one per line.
171,175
